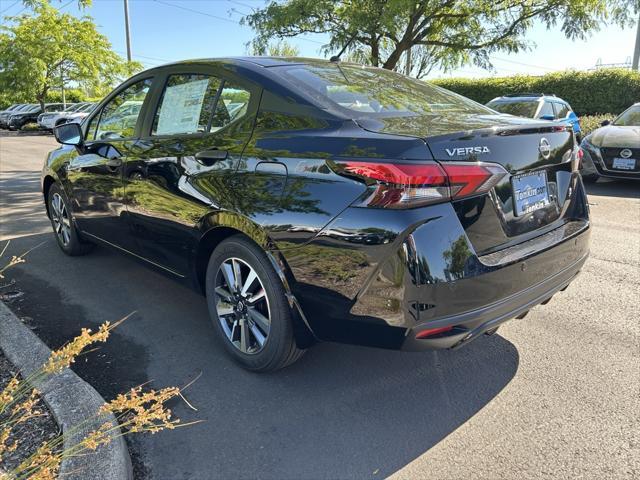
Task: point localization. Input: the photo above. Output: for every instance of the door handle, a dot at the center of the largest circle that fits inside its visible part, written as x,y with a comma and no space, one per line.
209,157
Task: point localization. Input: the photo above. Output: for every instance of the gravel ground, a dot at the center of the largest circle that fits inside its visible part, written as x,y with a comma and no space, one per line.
31,434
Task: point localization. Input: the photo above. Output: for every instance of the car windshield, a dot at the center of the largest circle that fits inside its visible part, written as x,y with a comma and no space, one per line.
629,118
73,108
376,92
31,108
87,108
519,108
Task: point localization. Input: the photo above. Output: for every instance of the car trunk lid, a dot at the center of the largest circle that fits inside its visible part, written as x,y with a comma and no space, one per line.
530,200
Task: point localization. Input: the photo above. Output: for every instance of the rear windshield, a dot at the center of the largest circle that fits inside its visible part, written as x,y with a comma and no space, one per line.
375,92
518,108
629,118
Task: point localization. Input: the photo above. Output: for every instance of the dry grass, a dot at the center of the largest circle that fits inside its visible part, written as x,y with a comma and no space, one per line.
136,411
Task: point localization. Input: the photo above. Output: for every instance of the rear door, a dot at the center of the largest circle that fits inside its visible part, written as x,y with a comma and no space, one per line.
193,140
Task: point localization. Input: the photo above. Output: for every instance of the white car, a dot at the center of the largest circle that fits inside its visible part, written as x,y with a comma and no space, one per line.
44,119
80,111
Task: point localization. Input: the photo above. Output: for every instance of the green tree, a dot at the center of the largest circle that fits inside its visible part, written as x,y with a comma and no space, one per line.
281,48
42,51
447,33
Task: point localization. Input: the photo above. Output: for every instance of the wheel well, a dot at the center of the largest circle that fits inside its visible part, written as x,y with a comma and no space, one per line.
207,244
46,185
302,332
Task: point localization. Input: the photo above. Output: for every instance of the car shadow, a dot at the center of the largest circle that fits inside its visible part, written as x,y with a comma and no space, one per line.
614,188
340,412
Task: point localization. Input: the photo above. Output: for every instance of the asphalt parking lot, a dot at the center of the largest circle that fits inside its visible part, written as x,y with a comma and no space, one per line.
555,395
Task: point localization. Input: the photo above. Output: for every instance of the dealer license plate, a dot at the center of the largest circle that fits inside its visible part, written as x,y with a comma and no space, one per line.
530,192
624,163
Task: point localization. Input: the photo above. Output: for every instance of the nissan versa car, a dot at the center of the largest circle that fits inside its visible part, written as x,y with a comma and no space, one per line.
313,200
614,150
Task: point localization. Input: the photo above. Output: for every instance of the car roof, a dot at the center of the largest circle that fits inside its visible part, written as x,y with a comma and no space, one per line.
251,63
530,98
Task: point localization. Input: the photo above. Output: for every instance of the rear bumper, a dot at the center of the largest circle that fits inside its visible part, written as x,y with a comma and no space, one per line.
472,324
417,270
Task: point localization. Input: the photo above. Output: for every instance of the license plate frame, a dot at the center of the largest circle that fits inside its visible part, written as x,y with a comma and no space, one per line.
623,163
530,192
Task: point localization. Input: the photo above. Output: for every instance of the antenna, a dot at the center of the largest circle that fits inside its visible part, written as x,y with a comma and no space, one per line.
336,58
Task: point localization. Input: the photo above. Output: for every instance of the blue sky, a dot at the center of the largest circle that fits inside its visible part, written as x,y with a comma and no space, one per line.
167,30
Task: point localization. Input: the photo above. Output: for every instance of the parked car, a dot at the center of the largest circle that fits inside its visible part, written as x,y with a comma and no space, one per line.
76,116
4,115
19,119
463,218
537,105
45,120
614,149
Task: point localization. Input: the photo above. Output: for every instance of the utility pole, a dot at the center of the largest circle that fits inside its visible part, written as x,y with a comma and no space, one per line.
64,99
126,28
636,52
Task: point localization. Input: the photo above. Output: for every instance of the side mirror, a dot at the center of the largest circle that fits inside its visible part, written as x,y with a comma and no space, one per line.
605,123
68,134
547,117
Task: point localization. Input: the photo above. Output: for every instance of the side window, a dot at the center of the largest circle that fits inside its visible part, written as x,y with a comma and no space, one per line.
119,117
562,110
232,105
546,109
186,105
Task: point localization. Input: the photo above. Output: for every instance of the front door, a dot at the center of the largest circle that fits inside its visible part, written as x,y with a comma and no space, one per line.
95,175
194,142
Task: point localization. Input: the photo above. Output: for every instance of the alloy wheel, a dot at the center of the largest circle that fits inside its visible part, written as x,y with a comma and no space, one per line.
242,306
60,218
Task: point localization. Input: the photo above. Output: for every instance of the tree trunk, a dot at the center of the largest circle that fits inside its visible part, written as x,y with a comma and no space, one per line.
395,56
42,96
375,52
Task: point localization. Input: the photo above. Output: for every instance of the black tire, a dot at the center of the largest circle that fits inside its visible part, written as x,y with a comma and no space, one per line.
65,230
280,348
593,178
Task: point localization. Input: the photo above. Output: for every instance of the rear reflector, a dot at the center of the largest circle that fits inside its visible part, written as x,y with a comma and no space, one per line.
406,185
433,331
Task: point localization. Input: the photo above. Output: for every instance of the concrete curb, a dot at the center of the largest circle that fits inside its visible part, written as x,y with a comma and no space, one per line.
71,400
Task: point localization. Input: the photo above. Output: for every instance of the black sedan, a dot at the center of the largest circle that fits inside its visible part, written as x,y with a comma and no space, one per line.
614,149
19,119
313,200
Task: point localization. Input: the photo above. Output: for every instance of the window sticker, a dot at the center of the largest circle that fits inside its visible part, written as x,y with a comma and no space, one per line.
181,106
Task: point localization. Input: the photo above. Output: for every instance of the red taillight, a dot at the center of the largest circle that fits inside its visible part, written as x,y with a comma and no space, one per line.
576,163
406,185
433,331
400,173
471,179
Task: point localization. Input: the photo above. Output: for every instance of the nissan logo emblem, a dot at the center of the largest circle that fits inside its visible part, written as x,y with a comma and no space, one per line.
545,148
626,153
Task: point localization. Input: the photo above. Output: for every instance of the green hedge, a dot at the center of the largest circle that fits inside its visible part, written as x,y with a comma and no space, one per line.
589,93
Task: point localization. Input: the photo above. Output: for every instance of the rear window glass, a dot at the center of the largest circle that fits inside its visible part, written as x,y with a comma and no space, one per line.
629,118
518,108
376,92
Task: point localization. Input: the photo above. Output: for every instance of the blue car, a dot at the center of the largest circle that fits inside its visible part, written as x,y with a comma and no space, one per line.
537,105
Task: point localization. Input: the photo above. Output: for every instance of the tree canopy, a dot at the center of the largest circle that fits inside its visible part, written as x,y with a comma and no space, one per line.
41,51
445,33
